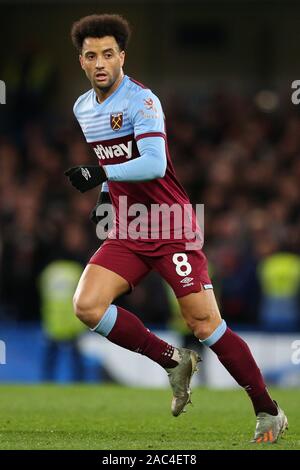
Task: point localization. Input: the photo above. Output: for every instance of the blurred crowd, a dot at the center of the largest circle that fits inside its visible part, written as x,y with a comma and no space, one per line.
242,163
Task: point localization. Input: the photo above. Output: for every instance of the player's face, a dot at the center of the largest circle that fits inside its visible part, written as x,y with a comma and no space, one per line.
102,61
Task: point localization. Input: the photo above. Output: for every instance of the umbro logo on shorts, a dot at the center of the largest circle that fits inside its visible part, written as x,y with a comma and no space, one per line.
187,281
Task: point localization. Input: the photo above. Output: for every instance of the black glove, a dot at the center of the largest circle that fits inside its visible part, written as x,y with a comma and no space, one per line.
85,177
103,198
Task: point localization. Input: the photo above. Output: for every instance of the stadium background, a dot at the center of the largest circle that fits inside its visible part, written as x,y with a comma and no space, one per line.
223,71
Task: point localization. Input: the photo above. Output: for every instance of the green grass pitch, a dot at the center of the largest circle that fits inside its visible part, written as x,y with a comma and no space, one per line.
111,417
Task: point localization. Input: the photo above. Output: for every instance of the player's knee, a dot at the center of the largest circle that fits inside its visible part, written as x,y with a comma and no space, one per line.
203,330
203,326
88,310
198,327
82,308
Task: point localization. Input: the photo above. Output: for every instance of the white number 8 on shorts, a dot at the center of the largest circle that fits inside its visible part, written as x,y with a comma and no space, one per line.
181,260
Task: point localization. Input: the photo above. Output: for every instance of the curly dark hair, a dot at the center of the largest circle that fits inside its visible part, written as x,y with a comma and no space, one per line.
98,26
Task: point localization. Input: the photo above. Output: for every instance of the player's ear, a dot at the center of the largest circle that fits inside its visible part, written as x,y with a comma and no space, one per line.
122,57
81,61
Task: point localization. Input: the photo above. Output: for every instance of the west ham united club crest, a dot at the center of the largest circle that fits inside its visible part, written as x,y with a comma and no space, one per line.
116,121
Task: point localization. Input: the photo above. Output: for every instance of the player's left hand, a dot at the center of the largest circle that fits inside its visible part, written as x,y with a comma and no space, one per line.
86,177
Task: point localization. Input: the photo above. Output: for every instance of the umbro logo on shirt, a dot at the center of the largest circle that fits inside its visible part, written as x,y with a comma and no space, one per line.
111,151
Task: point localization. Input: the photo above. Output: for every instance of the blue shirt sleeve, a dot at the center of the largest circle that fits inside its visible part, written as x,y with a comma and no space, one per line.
147,118
146,114
151,164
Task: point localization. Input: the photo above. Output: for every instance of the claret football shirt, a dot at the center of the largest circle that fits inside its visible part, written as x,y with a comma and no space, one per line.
113,128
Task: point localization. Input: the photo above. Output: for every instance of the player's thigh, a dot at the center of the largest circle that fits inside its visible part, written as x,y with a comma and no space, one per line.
112,271
98,287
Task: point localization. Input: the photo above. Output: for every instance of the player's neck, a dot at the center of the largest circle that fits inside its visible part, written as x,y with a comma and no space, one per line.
102,95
